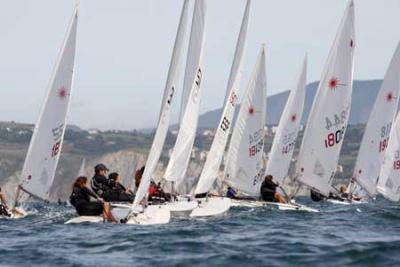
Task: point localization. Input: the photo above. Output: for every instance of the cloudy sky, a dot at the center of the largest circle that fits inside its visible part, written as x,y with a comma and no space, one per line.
124,48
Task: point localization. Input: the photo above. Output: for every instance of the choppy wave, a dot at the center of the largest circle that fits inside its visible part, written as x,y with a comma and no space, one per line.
356,235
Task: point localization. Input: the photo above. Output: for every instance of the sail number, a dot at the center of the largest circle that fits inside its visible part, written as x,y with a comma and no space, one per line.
225,124
255,149
288,148
334,138
396,162
337,120
385,132
232,98
256,142
57,136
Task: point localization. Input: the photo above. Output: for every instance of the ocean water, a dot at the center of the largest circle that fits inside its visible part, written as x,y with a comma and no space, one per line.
354,235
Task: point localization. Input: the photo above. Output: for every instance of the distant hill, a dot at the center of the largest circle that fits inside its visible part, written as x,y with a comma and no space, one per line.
364,94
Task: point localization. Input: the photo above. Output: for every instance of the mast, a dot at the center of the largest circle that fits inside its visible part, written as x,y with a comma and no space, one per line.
214,157
165,112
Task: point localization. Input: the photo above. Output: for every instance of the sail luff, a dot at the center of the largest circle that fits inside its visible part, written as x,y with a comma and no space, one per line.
165,111
214,157
243,168
285,138
323,137
180,156
47,140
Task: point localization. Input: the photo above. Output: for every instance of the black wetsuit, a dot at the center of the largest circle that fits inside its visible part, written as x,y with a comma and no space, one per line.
268,190
118,194
316,196
80,199
101,185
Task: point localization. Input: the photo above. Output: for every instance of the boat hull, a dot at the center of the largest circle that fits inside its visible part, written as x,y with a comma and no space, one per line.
182,208
293,206
152,215
213,206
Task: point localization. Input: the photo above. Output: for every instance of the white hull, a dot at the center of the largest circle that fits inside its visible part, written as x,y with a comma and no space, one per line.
281,206
182,207
157,214
152,215
212,206
247,203
345,202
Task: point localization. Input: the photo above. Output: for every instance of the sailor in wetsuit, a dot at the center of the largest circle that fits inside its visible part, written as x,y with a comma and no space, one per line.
100,184
81,199
3,206
343,195
268,191
118,192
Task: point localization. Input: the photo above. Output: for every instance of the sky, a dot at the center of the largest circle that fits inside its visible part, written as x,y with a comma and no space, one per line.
124,49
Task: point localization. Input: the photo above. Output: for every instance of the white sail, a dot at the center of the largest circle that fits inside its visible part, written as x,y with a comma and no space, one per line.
244,168
214,157
82,168
376,135
180,156
45,146
165,114
323,137
389,177
286,135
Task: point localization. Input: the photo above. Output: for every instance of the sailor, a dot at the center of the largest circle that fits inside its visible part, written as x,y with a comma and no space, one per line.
345,195
156,193
3,205
316,196
100,184
138,177
81,199
118,192
268,191
232,193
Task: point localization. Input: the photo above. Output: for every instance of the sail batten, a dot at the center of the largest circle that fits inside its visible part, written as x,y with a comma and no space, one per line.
214,157
165,112
44,150
244,167
328,118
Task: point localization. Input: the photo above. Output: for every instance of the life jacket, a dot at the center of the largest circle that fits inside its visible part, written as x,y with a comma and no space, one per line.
153,190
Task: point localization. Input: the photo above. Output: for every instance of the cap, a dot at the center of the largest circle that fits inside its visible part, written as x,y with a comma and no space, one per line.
100,167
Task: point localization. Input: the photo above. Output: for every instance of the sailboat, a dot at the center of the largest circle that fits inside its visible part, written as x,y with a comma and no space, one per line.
389,177
376,136
139,211
285,138
244,168
327,122
179,160
44,150
165,114
215,206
